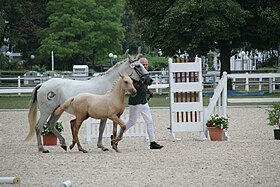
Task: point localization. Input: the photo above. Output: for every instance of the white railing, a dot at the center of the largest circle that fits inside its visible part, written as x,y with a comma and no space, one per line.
218,102
248,80
21,85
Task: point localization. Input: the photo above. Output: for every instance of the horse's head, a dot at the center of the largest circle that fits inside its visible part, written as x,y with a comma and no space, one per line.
139,73
127,84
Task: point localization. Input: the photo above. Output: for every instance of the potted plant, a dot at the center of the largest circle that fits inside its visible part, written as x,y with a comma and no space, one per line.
48,137
273,119
216,125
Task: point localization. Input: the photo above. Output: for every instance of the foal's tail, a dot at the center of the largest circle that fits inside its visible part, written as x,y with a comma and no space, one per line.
32,113
64,106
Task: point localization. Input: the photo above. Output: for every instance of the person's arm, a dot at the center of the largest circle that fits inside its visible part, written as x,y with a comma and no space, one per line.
150,93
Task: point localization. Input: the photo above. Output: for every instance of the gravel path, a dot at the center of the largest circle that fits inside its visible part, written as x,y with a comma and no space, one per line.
250,158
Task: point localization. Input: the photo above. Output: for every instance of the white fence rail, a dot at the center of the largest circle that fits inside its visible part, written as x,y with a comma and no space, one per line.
248,80
243,82
218,102
26,85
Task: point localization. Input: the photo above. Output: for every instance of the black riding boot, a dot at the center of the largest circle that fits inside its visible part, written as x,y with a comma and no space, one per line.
154,145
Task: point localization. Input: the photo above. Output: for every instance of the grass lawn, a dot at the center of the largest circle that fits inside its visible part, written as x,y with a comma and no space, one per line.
22,102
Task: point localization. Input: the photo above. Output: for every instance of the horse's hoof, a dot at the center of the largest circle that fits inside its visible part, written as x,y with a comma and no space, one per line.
105,149
117,150
45,151
71,147
84,151
64,147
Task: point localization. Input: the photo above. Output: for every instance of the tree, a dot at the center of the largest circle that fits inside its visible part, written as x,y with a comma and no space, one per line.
196,25
132,39
82,30
23,21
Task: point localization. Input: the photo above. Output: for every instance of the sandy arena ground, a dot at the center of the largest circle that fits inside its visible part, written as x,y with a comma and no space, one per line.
250,158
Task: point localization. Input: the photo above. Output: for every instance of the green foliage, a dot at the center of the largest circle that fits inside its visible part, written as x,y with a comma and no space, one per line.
217,121
38,68
157,62
47,131
197,26
274,115
82,30
24,21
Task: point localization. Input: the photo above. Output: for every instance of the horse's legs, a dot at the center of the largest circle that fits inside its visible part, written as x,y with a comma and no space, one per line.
76,130
100,135
115,140
51,122
123,127
39,129
72,123
114,143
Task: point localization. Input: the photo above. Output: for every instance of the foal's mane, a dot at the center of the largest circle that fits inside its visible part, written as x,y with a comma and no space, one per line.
114,84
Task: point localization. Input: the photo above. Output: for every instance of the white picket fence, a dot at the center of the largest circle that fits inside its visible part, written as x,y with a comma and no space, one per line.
92,128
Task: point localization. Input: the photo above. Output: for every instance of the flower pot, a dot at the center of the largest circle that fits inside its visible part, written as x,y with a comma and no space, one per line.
49,139
216,134
277,134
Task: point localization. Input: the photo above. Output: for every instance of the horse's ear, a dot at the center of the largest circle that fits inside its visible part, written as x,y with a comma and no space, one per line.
126,52
139,54
129,58
121,75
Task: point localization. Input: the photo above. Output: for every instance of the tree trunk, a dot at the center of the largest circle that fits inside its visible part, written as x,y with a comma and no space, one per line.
225,54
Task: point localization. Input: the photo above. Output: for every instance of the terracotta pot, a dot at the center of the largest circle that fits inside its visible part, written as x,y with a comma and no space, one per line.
49,139
216,134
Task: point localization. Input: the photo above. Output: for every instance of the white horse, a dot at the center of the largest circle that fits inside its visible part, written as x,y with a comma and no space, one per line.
107,106
54,92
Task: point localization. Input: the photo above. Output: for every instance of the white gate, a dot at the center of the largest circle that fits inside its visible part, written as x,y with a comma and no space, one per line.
186,103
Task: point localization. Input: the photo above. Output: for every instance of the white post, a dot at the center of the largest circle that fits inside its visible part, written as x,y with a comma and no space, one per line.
224,96
19,85
233,83
247,82
52,61
160,82
157,82
270,84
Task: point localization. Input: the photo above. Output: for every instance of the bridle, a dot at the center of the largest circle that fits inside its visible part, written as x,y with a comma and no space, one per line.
143,77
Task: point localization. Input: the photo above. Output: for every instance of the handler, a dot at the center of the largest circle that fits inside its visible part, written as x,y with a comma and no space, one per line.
139,105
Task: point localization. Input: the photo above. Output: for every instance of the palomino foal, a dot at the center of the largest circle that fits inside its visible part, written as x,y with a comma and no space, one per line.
110,105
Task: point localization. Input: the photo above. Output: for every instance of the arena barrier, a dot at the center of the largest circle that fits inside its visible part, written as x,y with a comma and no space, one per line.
92,128
186,103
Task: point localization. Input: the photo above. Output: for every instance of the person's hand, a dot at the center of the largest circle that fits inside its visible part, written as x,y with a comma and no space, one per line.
151,94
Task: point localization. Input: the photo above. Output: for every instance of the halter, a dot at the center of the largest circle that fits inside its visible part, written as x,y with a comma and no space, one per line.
143,77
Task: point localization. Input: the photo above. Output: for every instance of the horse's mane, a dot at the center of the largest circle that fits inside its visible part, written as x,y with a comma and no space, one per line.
114,84
111,69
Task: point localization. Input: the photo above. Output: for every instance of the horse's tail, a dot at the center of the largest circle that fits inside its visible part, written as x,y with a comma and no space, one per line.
32,113
64,106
